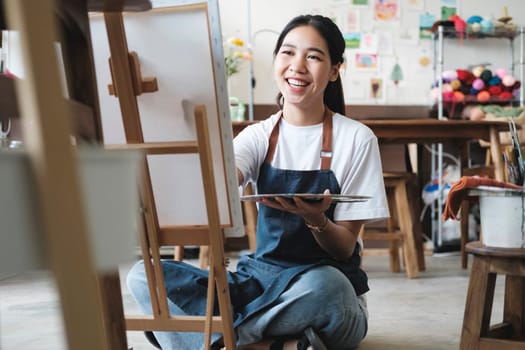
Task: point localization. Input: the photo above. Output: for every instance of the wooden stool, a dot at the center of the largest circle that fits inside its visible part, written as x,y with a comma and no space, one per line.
477,333
400,205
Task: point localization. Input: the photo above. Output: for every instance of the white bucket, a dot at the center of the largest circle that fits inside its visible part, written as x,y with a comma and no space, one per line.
502,216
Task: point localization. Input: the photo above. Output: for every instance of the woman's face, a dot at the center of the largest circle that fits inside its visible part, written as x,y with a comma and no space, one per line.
302,67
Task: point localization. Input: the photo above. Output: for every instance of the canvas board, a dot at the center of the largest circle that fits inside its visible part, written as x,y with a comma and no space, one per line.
179,43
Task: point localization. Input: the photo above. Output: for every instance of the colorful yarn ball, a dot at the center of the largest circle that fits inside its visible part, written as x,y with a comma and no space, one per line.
463,74
465,89
473,91
474,19
494,90
459,23
478,84
475,27
495,80
501,72
505,96
486,75
483,96
448,95
447,88
450,75
508,80
455,84
487,26
434,93
477,71
476,113
459,97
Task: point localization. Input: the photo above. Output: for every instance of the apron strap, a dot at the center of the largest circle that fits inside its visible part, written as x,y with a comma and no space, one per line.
326,148
274,136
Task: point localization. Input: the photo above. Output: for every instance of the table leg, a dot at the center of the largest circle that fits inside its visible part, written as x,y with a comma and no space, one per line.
410,248
464,155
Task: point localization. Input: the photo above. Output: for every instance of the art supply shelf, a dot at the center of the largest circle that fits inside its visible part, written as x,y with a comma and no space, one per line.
470,41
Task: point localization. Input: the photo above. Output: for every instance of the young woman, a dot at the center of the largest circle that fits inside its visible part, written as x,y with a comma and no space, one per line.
303,288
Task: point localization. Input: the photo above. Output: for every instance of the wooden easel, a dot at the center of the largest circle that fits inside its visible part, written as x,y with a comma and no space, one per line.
45,119
154,236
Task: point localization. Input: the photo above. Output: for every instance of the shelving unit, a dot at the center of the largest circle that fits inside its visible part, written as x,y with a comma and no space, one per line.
438,53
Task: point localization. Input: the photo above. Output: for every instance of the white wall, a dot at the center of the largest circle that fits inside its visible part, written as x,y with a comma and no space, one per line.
272,15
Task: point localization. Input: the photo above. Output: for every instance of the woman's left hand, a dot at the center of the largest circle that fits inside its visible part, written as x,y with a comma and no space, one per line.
298,206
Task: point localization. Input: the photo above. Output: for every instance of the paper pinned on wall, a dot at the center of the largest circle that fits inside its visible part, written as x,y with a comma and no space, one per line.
369,43
361,3
386,11
353,20
367,62
448,8
409,31
352,40
354,89
426,21
385,45
376,89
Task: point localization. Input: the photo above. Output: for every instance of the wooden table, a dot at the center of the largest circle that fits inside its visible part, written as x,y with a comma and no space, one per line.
428,131
459,132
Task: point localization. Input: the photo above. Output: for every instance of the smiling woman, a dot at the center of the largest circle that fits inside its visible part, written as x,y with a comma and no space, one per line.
303,288
338,156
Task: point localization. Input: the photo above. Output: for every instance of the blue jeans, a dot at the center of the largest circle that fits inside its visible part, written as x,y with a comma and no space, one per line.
321,298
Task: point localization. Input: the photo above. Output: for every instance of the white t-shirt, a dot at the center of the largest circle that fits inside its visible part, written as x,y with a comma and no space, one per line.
355,162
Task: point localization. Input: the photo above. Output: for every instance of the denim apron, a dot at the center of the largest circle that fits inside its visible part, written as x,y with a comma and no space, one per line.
285,246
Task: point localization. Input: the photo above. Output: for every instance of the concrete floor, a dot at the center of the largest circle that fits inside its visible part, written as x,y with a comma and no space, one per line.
424,313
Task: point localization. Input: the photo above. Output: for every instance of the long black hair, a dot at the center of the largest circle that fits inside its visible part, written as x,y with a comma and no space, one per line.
333,94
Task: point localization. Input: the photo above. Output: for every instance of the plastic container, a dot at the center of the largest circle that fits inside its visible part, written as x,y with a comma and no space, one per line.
237,109
502,216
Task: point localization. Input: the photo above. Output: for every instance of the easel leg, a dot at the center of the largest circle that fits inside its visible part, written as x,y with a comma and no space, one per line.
210,302
113,310
217,261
